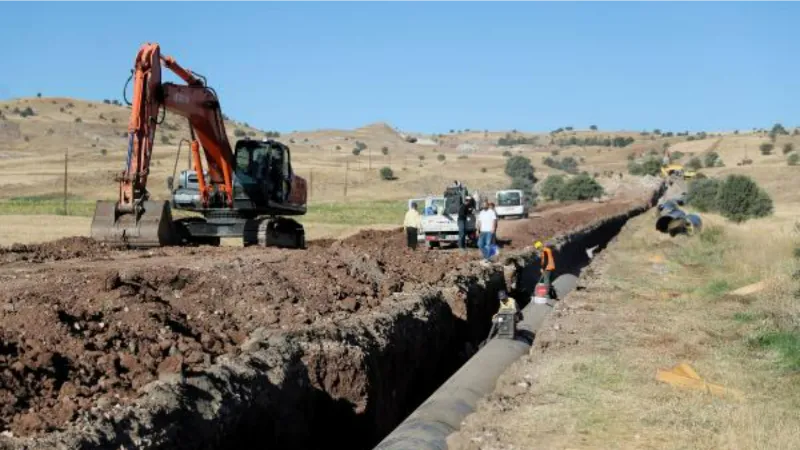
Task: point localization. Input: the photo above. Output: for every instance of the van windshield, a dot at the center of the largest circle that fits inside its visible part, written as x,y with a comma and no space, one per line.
509,199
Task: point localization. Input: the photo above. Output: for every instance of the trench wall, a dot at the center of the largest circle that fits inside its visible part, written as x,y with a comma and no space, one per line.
347,383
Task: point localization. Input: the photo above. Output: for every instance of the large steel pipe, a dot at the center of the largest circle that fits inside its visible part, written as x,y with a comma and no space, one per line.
441,414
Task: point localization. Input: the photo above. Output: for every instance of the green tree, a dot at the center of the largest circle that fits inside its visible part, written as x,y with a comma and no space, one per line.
387,173
766,148
520,167
740,198
593,127
385,150
793,159
440,157
694,163
551,186
703,194
580,187
711,158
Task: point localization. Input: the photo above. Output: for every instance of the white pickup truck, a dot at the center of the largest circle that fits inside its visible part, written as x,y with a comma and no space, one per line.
440,219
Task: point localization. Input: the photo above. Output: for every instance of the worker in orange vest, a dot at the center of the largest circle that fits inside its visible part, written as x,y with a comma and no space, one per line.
548,264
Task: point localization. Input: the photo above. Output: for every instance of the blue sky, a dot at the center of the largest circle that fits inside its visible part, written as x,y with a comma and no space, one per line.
431,66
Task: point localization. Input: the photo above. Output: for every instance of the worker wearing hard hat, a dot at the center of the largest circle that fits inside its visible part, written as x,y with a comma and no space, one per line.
548,264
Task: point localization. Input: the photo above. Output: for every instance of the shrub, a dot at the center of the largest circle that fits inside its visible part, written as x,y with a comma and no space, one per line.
356,151
27,112
739,198
103,151
440,157
631,156
555,152
694,163
766,148
551,186
165,139
361,146
520,167
421,157
710,160
78,120
239,132
508,140
507,154
106,101
385,150
793,159
580,187
387,173
483,169
788,148
703,194
675,156
650,166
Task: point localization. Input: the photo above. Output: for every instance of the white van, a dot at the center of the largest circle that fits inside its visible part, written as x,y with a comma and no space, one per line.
511,203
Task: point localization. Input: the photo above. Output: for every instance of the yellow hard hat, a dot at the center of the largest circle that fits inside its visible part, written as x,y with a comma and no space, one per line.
537,244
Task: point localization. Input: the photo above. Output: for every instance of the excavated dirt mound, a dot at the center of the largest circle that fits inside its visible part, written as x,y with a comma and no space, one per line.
84,324
66,248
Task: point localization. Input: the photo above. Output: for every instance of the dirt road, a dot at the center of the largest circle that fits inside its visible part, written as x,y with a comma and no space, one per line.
84,324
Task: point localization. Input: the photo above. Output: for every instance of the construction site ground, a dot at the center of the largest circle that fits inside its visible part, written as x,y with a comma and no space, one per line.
85,324
723,302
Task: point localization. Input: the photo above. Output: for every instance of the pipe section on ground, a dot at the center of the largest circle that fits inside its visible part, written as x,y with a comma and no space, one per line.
441,414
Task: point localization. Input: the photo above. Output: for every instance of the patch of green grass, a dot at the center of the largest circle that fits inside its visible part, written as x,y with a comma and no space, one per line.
47,204
785,343
715,288
744,317
350,213
357,213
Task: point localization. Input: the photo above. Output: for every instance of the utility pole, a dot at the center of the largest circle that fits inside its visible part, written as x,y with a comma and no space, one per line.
346,168
66,157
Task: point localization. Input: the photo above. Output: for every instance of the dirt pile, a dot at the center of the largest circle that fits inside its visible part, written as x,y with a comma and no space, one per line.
66,248
87,326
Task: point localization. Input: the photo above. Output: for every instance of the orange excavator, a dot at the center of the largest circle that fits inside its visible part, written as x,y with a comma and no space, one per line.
246,192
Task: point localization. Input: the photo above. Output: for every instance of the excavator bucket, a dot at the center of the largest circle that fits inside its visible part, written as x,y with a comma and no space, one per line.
151,226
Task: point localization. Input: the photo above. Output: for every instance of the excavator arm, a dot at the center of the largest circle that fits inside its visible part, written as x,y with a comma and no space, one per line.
195,101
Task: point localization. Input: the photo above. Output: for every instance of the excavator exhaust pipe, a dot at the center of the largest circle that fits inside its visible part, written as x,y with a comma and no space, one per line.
149,225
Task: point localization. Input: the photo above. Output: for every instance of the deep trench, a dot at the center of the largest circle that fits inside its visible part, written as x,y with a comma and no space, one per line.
422,355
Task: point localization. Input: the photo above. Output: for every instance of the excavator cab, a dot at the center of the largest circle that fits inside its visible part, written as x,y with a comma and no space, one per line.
262,171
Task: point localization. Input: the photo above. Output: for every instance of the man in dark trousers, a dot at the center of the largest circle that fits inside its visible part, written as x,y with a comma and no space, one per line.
412,223
466,209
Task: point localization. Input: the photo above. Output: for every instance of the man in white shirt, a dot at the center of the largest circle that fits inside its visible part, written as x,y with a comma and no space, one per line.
412,223
487,226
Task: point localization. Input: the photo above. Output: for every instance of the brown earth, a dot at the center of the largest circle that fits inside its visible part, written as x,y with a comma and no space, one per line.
84,324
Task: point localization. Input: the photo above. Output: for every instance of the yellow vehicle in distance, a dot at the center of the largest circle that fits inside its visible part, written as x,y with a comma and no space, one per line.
678,170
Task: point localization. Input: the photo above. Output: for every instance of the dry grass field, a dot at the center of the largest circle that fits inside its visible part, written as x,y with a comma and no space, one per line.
346,191
725,302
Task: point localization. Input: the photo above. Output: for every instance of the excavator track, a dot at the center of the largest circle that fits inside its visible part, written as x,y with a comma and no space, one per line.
150,225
